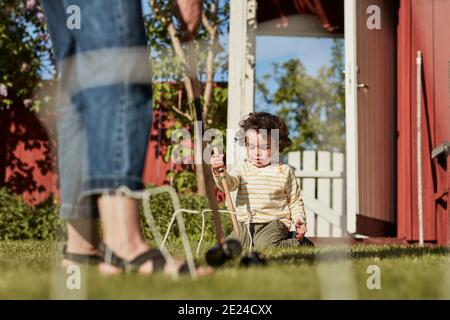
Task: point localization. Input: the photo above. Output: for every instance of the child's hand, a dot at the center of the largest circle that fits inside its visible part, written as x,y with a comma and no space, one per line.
217,162
301,230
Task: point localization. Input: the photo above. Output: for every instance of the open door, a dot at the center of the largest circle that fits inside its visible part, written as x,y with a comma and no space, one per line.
370,118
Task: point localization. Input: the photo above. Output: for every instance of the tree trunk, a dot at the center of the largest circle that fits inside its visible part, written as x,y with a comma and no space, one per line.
199,146
201,189
205,182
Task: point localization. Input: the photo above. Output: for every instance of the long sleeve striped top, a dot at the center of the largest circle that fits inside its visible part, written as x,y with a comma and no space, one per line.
265,194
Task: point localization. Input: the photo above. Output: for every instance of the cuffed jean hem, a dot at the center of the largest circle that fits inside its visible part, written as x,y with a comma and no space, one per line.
100,185
87,201
87,209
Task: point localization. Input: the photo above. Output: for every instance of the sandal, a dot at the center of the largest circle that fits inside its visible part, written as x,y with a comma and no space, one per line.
81,258
154,255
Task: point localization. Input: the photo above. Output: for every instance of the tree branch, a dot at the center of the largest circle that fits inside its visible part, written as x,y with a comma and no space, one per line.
184,114
206,24
176,43
212,30
191,83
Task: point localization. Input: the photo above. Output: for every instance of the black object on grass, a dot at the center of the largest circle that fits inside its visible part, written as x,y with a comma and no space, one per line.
221,253
254,258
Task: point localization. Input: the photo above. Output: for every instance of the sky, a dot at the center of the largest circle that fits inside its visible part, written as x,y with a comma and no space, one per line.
313,52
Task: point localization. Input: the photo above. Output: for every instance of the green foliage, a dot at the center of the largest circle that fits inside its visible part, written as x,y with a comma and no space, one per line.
313,107
184,181
218,109
166,97
162,210
165,64
25,53
169,94
19,221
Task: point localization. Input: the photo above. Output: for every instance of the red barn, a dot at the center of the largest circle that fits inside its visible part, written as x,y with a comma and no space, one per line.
423,25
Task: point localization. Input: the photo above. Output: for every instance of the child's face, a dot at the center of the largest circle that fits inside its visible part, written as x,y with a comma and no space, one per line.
258,149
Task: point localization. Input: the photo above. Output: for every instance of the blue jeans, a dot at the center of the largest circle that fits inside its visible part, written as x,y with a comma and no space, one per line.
104,99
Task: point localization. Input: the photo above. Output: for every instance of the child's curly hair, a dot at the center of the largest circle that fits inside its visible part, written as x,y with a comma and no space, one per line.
263,120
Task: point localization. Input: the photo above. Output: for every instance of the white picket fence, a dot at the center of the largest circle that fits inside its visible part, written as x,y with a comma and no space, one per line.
321,177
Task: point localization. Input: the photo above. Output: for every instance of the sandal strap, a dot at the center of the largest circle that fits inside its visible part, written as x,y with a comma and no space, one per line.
111,258
81,258
153,255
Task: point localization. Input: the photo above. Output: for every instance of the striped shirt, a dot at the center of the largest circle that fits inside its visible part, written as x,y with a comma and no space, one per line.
265,194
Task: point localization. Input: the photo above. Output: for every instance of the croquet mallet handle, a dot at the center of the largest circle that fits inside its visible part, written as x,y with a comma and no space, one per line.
228,197
198,129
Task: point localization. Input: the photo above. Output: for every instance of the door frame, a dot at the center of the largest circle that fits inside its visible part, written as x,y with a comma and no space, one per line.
351,115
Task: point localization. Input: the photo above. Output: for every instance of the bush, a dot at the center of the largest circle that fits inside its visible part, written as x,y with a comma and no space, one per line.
162,210
19,221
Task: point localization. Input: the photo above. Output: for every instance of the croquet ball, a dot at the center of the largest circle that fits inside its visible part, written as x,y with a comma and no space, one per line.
253,259
232,248
216,256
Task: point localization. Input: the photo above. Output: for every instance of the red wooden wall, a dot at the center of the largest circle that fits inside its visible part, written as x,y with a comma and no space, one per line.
423,25
28,161
156,169
27,156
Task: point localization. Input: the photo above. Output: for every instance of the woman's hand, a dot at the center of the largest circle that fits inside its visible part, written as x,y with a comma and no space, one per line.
190,15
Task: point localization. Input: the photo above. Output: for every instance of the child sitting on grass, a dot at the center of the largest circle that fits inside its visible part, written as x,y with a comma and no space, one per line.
269,200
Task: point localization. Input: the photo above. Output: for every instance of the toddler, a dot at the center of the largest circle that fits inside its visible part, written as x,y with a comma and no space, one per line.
269,200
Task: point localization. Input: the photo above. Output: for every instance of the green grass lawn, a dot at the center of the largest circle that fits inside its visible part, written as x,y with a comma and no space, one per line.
29,270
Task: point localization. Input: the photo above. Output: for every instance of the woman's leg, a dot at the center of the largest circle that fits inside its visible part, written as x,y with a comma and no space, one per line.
82,238
112,92
81,218
122,233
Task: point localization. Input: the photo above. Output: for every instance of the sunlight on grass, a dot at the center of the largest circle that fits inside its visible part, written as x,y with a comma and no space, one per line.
29,270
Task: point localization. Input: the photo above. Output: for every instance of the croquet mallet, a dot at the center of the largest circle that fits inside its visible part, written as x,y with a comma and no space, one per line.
224,250
228,197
